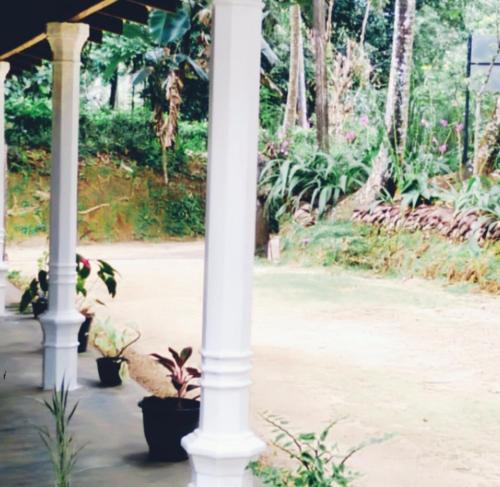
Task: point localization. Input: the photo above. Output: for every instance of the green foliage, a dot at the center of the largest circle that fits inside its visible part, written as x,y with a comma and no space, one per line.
37,291
185,214
28,122
126,134
403,254
317,461
477,193
61,446
302,173
112,342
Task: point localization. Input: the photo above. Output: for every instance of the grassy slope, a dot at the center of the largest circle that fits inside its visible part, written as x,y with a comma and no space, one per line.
401,254
117,201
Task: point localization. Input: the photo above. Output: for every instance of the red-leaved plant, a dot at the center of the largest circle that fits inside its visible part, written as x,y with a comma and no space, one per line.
182,377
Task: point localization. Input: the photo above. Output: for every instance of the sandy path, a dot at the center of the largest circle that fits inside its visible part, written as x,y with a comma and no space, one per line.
402,357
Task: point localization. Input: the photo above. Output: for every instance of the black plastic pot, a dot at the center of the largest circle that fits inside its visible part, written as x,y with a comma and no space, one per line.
109,371
83,334
166,422
39,306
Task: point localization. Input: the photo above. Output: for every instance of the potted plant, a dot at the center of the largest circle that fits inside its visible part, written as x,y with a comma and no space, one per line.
36,294
167,420
106,274
112,343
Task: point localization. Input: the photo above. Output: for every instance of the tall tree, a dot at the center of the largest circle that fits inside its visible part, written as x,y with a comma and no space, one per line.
397,104
302,95
293,77
489,145
319,43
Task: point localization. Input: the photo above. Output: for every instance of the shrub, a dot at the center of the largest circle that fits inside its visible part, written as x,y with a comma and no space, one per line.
316,461
184,214
302,173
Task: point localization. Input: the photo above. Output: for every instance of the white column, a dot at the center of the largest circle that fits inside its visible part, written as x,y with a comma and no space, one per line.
4,69
222,447
62,321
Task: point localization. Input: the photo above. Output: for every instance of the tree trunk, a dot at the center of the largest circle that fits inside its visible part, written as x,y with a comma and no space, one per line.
397,104
489,146
319,41
293,78
114,90
302,95
364,25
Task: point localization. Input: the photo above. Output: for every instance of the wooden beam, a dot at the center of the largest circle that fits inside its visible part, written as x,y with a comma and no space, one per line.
73,11
92,9
166,5
127,11
103,22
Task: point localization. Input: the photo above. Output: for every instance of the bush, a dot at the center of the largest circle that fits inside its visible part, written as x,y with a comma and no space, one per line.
185,214
119,133
300,172
127,134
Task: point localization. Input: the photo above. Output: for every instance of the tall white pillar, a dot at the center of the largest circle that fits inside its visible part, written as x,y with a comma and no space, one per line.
4,69
222,447
62,321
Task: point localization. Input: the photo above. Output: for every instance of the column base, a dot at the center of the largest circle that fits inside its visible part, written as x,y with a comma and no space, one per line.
221,461
3,287
60,348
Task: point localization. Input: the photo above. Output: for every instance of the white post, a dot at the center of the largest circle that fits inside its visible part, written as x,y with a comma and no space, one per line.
222,447
62,320
4,69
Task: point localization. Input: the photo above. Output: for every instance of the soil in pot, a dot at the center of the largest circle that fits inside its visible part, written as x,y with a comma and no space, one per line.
83,334
109,371
39,307
166,422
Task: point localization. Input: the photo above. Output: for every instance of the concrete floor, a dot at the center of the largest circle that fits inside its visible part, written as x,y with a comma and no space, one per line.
108,421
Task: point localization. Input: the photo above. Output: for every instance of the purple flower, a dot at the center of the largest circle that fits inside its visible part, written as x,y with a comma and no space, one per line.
459,127
442,148
364,120
350,136
443,122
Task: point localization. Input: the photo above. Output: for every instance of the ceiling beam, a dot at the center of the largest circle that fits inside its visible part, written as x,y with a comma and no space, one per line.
73,11
103,22
132,12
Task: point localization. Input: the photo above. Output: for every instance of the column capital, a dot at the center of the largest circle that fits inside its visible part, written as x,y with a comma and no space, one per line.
66,40
4,69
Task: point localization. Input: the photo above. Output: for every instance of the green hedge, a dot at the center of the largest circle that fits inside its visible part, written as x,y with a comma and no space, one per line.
119,133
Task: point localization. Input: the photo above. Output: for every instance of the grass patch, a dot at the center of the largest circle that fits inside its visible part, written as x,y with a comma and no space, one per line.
401,254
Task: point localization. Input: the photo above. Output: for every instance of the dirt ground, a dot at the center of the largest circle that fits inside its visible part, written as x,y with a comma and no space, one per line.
407,358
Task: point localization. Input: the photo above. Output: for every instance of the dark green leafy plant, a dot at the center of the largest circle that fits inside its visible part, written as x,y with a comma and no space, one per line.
36,292
60,444
317,461
309,175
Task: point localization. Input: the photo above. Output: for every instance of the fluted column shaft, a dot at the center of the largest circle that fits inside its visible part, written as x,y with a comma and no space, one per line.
223,445
62,320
